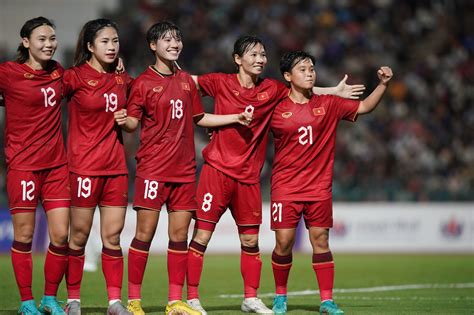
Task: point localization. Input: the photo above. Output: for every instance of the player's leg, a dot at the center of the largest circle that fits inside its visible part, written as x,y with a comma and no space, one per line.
318,217
22,189
246,208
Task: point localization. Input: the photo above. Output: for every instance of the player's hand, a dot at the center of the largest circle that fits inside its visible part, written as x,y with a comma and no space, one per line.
121,117
245,118
385,74
120,66
349,91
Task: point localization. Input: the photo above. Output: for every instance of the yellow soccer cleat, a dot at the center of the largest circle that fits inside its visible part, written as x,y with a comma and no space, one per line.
135,307
181,308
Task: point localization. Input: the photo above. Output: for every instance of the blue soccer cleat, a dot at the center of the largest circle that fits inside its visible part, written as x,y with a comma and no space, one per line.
28,308
330,308
49,305
279,304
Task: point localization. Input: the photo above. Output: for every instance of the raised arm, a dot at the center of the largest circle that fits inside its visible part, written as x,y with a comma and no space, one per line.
369,104
129,124
211,121
342,89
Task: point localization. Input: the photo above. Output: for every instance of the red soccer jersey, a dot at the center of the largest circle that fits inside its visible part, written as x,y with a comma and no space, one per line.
166,106
304,137
236,150
95,144
33,137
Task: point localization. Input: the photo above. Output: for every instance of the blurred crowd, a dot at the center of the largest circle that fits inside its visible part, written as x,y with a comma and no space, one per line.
418,145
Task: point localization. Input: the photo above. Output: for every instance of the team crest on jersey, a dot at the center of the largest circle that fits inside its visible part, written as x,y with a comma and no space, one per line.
29,75
55,74
236,93
185,86
287,114
93,82
319,111
158,89
119,80
262,96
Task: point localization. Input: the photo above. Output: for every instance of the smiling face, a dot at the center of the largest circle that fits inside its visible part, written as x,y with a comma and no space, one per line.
105,47
302,75
168,47
41,44
253,60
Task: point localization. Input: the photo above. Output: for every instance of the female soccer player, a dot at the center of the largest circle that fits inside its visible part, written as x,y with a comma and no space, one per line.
230,177
165,100
98,172
36,159
304,128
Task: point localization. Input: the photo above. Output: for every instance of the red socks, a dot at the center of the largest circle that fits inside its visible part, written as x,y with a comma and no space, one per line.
137,259
281,266
251,268
74,273
23,268
323,265
195,263
177,266
54,268
112,267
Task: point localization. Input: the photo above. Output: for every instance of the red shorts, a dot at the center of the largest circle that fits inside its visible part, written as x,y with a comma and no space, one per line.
287,214
151,194
25,188
216,192
90,191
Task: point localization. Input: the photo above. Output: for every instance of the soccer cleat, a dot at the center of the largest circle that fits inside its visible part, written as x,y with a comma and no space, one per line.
179,307
135,307
49,305
330,308
117,309
73,308
279,304
255,305
196,304
28,308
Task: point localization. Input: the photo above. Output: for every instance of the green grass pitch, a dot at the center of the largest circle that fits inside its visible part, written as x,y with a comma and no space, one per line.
365,284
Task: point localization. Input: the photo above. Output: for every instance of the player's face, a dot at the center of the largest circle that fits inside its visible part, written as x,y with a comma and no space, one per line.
42,43
168,47
253,61
106,45
302,75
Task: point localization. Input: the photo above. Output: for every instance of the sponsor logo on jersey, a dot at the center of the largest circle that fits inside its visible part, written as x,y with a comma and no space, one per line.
319,111
158,89
262,96
55,74
236,93
286,114
185,86
29,75
119,80
93,82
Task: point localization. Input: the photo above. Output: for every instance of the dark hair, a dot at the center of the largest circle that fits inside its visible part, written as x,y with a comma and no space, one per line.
88,34
25,32
244,43
160,29
290,59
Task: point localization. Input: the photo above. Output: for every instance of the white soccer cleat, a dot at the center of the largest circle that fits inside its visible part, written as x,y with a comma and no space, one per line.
255,305
196,305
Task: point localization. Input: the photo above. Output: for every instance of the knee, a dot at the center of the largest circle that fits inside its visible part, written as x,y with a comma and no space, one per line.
59,236
24,233
249,240
321,242
283,248
178,235
79,237
202,237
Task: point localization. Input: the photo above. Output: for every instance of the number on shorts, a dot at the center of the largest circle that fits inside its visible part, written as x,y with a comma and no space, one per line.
28,187
176,108
206,203
84,187
276,213
111,101
151,189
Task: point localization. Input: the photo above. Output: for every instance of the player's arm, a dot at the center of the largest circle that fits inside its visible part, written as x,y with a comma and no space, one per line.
342,89
211,120
369,104
129,124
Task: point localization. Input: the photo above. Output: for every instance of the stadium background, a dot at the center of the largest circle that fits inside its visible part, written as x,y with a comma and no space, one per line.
404,175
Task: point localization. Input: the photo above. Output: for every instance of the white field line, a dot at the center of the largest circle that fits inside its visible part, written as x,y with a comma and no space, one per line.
371,289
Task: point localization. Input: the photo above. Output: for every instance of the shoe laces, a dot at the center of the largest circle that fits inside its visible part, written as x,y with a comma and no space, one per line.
135,306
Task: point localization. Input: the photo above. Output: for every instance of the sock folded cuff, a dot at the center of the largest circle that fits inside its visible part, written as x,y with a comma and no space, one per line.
250,250
58,250
197,247
21,247
76,252
322,258
178,246
112,252
282,260
140,245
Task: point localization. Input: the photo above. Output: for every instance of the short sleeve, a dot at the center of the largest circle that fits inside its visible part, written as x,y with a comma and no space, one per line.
209,83
198,108
346,109
69,82
136,100
4,82
281,91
